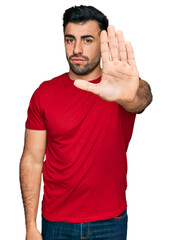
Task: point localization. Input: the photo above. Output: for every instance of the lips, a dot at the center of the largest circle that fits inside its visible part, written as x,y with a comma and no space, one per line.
78,59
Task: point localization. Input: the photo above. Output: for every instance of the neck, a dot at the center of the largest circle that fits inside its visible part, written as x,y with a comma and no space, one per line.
96,73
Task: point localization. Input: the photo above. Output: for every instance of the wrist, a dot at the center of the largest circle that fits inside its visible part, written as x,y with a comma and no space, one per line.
30,226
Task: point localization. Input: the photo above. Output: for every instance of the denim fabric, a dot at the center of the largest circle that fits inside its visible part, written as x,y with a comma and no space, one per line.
110,229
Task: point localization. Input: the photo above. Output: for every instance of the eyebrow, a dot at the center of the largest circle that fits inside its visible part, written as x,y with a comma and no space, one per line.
84,36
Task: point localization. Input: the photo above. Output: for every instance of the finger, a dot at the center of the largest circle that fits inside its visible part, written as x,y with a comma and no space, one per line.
87,86
130,54
104,46
121,46
112,43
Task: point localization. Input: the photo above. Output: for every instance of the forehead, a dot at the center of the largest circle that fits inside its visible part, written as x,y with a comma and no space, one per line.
79,29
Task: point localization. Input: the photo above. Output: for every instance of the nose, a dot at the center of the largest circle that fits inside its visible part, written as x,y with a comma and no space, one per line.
78,48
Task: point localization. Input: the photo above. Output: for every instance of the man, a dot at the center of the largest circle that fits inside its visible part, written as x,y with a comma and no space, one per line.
83,120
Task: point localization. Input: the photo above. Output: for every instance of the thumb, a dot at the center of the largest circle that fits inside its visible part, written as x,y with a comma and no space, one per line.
87,86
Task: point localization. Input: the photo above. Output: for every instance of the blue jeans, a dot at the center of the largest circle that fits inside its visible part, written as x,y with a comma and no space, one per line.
110,229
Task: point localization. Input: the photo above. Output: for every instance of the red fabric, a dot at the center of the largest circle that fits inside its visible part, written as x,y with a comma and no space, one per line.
87,138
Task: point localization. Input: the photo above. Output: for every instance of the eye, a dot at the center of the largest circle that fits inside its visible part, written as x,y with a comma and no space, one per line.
69,40
87,40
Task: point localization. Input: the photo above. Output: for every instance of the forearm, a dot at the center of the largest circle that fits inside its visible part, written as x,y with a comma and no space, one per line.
30,182
142,99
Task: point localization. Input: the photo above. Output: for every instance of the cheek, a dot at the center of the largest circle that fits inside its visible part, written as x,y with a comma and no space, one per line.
95,52
68,49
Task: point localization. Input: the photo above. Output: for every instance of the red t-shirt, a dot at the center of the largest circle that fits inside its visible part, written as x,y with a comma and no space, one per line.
87,138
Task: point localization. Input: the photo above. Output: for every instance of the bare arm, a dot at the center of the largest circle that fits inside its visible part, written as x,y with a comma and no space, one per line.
142,99
31,164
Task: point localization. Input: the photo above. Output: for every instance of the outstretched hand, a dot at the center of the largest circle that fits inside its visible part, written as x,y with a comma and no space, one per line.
120,77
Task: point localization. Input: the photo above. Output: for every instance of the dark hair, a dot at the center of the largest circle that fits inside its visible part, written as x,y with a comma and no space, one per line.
82,14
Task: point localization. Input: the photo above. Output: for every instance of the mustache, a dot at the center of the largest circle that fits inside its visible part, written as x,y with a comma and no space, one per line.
78,56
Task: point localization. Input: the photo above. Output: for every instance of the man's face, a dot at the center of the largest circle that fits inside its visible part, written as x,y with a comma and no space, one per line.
82,44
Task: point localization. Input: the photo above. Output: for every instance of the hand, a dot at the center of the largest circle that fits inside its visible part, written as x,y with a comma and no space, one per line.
120,77
33,234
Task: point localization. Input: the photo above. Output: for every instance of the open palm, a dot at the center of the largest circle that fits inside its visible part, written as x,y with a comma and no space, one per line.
120,77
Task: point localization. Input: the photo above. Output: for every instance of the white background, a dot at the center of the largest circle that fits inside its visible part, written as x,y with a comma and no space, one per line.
32,50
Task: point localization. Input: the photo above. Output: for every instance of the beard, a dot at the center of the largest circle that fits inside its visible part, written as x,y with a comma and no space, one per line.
87,68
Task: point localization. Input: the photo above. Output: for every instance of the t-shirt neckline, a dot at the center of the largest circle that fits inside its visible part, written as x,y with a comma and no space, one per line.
91,81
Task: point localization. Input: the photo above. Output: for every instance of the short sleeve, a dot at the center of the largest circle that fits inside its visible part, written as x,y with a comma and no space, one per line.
35,116
127,121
